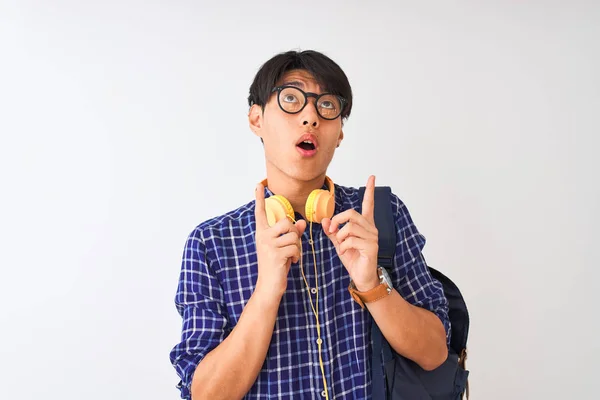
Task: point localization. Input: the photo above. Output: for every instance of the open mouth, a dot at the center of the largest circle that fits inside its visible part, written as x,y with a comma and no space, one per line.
306,145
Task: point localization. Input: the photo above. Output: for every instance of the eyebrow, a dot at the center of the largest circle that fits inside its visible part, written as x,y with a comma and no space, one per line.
300,85
294,83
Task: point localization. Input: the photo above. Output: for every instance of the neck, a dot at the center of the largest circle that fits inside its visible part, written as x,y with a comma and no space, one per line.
295,190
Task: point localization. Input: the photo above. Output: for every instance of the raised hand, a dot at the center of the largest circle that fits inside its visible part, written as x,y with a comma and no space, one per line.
277,247
357,242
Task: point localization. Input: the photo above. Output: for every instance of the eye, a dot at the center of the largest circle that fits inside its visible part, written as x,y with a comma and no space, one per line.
327,104
289,98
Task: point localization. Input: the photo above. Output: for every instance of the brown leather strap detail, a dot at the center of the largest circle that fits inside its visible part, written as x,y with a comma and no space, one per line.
356,297
381,296
370,296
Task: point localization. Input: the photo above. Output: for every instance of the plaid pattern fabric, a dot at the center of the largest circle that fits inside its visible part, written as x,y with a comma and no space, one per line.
219,272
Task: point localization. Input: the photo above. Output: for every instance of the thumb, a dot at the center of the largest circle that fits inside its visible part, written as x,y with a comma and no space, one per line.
300,226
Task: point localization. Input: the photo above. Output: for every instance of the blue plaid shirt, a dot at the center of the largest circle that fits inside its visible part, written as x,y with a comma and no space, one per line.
218,275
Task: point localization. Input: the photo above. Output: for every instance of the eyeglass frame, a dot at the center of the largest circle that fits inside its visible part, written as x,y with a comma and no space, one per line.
342,100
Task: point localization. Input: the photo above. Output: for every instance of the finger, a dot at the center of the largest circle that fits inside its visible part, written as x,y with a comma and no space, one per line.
281,228
300,226
287,239
326,223
350,216
295,259
290,252
355,243
368,204
260,215
352,229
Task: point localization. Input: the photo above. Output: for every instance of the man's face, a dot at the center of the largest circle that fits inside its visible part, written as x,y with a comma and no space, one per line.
284,134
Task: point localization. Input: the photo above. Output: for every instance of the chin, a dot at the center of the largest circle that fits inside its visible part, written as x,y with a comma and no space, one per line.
303,170
306,175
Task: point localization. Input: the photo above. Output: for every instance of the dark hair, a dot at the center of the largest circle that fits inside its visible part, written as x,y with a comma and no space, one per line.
326,72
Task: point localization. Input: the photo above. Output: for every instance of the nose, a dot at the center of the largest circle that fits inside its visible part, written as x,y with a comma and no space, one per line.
310,117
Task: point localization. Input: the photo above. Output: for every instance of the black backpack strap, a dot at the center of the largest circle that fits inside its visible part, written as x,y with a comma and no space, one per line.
385,223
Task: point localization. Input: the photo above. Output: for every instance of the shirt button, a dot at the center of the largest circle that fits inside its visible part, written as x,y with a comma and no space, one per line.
319,341
310,241
323,393
313,290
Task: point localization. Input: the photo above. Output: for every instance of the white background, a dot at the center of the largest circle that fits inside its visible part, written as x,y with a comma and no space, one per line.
124,125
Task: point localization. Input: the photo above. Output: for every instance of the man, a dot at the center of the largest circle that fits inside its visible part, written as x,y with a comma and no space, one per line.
266,303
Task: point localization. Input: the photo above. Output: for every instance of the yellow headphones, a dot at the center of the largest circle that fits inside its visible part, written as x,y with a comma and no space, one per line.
320,204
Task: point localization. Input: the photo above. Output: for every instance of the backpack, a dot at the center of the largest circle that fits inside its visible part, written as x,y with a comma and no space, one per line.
404,379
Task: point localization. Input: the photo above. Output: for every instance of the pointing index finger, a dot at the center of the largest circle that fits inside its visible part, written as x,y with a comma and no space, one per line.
368,204
259,211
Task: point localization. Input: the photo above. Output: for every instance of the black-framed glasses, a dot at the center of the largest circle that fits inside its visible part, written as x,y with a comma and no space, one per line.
292,100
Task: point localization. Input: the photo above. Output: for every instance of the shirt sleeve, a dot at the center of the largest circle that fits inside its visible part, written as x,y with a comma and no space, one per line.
411,275
200,302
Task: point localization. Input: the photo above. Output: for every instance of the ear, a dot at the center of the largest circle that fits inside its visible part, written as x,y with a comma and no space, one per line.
255,119
340,138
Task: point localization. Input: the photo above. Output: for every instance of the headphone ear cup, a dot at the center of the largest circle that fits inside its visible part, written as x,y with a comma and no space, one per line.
320,204
277,208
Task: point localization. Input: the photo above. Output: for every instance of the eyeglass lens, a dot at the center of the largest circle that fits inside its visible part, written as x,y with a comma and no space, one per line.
292,100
